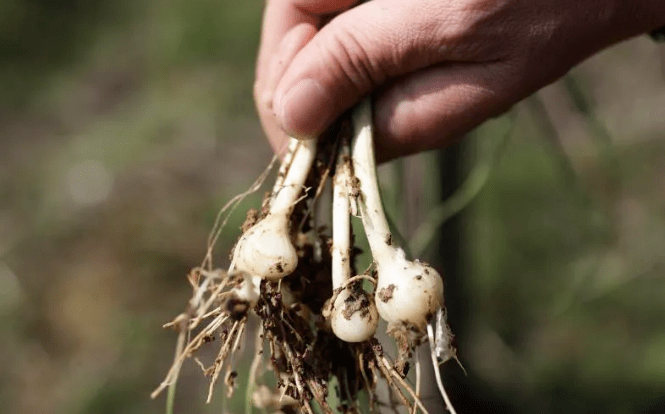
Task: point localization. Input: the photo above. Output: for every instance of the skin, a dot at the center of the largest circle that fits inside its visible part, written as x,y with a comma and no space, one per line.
436,68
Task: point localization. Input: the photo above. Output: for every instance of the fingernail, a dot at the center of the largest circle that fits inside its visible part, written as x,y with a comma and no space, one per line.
305,109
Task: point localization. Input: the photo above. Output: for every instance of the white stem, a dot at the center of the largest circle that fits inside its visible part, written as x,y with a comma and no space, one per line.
406,292
294,182
354,317
285,165
364,165
341,222
266,249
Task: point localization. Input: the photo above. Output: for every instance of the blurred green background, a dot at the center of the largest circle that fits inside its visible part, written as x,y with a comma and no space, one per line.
125,126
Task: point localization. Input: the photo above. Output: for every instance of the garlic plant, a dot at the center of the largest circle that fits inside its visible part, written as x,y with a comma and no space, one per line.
266,249
408,293
353,314
315,319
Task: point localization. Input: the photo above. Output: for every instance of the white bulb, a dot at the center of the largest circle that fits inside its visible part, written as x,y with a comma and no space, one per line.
354,318
265,250
407,292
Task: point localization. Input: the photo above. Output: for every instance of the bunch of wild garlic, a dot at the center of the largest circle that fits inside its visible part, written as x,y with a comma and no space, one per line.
316,318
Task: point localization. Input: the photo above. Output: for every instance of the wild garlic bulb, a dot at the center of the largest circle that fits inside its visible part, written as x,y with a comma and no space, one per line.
407,292
266,249
353,317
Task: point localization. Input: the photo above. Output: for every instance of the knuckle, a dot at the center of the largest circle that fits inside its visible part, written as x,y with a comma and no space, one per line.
349,54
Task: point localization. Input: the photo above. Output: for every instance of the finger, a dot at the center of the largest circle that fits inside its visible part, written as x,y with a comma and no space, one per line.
279,17
322,7
433,107
292,42
287,26
361,49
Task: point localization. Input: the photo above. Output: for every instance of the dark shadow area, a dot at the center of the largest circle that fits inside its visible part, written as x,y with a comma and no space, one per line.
468,394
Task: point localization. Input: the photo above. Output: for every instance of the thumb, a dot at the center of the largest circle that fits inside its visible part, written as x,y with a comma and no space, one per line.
352,55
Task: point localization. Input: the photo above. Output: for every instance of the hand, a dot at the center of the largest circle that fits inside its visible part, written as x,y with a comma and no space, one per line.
437,68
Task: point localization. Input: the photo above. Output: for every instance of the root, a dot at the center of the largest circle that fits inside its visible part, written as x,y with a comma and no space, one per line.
253,369
224,352
170,397
192,346
369,386
386,369
437,374
418,374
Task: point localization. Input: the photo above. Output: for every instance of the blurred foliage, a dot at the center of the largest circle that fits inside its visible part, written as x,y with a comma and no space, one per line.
39,36
127,125
568,282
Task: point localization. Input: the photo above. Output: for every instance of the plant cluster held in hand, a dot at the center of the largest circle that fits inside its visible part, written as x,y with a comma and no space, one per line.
317,316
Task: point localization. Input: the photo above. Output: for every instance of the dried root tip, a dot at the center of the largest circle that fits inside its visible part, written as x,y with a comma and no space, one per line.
243,296
437,374
265,399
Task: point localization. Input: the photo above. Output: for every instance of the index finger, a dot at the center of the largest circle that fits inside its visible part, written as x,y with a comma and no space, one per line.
279,18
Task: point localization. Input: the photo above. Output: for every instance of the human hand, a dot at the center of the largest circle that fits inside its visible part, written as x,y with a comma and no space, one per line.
437,68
